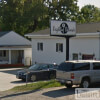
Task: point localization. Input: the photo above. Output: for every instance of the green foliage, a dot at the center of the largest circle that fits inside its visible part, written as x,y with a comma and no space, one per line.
25,16
22,16
38,85
90,13
63,9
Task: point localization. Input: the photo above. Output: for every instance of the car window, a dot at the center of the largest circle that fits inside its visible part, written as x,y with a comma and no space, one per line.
65,66
81,66
96,66
45,67
51,66
35,67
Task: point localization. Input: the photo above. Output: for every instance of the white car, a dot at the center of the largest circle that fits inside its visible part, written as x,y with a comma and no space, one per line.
80,72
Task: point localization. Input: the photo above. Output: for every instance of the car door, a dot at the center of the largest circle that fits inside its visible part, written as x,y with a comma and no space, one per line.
45,71
96,72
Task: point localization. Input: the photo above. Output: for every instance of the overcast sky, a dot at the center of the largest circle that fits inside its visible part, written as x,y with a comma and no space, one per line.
81,3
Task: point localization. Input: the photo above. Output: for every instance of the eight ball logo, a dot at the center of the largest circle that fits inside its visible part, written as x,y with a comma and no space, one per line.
64,28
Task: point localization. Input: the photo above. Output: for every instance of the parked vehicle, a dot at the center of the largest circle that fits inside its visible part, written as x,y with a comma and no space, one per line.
38,72
81,72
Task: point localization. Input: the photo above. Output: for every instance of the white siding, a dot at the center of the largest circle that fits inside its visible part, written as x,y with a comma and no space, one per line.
49,54
85,45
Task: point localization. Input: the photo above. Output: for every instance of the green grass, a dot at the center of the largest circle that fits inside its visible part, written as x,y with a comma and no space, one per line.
36,86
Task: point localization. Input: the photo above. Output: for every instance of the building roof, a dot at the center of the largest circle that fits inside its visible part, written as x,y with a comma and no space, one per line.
41,32
88,27
13,39
80,28
4,33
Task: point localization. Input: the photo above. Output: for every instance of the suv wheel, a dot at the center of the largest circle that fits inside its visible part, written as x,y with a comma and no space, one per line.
85,83
33,78
68,85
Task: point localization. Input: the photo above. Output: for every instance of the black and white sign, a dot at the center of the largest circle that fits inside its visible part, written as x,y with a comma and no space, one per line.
63,28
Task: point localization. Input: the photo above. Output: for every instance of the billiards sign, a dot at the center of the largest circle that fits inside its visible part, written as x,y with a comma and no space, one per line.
63,28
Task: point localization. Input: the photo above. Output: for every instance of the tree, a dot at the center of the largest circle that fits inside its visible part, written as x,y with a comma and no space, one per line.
90,13
63,9
22,16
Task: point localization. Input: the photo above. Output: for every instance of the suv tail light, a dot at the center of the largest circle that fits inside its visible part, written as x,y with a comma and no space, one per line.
72,75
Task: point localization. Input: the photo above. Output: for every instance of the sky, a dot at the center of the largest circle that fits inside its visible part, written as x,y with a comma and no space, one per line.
81,3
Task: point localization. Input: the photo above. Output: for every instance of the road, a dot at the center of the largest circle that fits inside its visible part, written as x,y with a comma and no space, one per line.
8,78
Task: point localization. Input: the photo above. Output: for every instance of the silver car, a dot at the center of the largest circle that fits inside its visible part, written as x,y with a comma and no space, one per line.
80,72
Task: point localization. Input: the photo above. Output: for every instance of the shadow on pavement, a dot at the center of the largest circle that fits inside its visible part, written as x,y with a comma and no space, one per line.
18,82
21,82
13,71
17,94
60,92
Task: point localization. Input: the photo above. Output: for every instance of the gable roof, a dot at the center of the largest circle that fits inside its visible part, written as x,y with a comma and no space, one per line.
41,32
88,27
80,28
11,38
4,33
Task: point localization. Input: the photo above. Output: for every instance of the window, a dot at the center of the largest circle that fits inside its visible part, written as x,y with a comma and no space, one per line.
59,47
40,46
96,66
74,66
2,53
81,66
75,56
65,66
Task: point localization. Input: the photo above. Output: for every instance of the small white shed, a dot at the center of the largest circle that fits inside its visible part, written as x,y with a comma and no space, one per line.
14,49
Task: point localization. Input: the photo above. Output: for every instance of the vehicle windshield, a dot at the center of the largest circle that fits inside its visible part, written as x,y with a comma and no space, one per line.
36,67
65,66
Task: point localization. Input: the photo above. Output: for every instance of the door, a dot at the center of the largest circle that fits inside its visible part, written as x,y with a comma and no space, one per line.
44,72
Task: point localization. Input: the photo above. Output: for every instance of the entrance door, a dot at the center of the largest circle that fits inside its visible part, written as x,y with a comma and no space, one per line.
20,56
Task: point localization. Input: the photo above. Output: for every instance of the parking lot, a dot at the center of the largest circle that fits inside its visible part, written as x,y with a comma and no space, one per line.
8,78
57,93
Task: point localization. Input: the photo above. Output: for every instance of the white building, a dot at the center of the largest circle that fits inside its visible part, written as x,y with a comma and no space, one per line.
14,49
50,49
86,44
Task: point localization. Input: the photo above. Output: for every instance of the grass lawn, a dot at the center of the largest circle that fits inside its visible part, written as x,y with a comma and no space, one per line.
36,86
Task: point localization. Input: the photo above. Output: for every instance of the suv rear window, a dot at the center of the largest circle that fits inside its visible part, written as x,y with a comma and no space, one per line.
81,66
65,66
96,66
74,66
